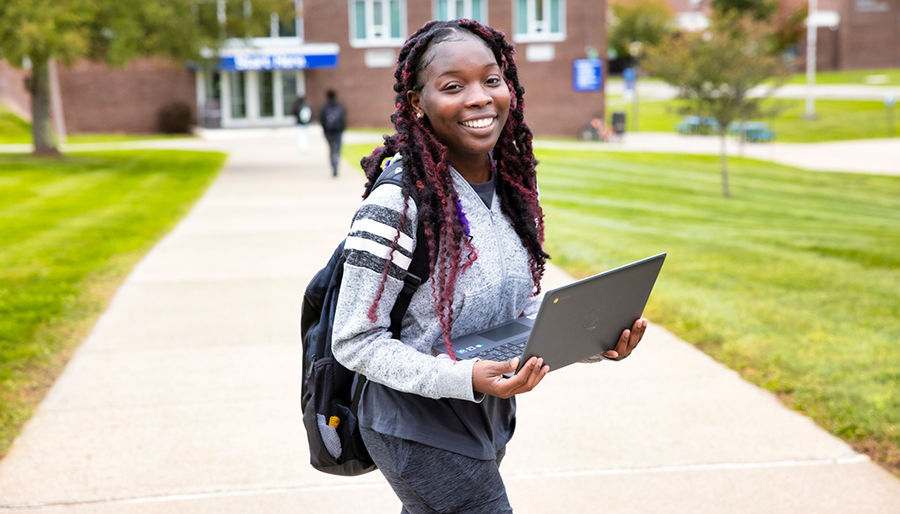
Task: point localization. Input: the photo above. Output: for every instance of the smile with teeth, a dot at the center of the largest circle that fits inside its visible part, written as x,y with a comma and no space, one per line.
482,123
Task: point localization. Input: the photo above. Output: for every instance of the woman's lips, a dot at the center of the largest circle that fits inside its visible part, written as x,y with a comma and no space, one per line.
479,123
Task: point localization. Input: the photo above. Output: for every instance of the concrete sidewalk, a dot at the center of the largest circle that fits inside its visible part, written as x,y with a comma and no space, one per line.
184,398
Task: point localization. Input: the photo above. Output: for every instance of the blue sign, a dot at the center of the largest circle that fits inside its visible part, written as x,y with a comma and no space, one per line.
630,77
255,62
587,74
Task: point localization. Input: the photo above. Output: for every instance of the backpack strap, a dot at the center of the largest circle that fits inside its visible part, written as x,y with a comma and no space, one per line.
420,267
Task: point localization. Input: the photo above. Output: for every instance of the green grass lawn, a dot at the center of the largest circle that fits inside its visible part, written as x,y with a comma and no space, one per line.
119,138
794,282
839,120
15,130
72,229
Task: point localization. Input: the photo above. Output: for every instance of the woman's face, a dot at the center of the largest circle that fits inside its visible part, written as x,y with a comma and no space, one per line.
464,97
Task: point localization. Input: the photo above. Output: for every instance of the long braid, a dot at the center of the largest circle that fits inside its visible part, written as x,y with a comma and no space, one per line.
426,170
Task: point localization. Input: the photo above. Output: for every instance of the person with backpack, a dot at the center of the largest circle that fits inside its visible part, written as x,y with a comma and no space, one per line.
334,121
303,115
462,195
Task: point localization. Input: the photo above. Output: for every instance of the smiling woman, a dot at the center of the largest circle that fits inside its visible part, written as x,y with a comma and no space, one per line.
436,427
465,99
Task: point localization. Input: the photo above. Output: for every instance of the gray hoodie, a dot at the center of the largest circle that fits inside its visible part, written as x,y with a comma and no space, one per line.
496,288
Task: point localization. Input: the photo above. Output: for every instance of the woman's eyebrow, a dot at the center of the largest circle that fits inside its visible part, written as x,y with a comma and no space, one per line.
456,72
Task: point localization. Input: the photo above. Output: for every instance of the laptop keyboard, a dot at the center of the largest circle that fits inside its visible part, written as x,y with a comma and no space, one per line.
504,352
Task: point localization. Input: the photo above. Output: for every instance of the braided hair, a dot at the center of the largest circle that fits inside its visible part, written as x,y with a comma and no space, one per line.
426,170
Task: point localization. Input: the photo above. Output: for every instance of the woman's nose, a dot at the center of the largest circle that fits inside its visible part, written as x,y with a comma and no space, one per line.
478,97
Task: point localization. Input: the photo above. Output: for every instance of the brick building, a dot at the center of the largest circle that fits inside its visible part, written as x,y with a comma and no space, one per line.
350,46
866,34
355,48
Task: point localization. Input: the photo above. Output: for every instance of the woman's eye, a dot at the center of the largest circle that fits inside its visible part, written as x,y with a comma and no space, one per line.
493,81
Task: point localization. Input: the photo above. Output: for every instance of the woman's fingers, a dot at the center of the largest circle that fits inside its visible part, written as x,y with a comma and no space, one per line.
524,381
529,376
628,341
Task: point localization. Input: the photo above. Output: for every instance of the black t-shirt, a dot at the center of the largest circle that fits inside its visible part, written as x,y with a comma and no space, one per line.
486,190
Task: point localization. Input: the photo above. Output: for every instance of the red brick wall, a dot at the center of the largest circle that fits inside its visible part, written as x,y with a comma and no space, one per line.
552,107
862,40
828,57
366,93
12,90
97,98
869,39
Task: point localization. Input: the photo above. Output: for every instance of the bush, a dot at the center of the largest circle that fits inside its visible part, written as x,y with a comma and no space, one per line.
176,118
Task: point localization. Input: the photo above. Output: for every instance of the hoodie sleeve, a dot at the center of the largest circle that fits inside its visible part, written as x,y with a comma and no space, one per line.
365,345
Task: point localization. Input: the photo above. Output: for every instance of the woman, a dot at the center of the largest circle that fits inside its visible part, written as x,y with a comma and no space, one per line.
437,428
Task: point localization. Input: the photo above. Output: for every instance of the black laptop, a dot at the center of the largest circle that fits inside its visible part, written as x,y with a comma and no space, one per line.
575,322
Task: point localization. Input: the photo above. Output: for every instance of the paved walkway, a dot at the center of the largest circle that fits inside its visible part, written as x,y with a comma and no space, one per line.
183,399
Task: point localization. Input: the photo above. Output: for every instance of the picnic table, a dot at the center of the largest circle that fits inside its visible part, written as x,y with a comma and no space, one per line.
697,125
754,131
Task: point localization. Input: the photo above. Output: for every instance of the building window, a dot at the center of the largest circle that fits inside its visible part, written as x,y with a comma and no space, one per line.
288,91
458,9
266,94
539,20
377,22
236,92
284,26
212,86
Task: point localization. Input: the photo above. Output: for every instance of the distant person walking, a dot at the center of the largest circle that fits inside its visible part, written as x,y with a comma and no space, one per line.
334,121
303,115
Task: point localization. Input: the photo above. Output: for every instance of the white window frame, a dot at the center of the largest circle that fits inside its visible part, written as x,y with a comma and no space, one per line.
371,39
467,11
535,32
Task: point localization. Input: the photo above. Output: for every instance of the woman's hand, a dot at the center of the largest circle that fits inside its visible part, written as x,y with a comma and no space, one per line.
628,341
487,377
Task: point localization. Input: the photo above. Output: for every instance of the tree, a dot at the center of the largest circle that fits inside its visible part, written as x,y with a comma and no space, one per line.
716,71
789,25
647,21
116,32
760,10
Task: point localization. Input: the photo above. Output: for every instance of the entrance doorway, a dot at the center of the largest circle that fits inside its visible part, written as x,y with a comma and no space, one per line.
261,98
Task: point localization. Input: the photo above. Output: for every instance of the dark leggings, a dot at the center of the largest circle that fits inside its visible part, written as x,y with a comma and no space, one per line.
429,480
334,147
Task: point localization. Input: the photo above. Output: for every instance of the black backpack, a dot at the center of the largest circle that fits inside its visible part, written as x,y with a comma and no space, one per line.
330,392
333,118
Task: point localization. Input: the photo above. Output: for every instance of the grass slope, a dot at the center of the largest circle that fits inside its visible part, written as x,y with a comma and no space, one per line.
794,282
72,229
13,129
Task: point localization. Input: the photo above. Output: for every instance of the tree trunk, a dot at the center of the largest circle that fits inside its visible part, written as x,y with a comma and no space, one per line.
41,127
723,159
